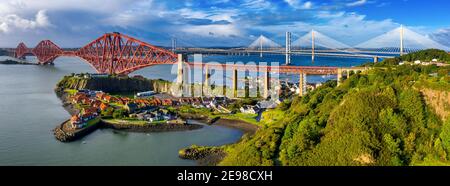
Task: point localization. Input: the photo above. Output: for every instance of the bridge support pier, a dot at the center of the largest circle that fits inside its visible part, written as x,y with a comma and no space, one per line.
206,83
235,82
180,75
180,69
339,76
302,85
266,84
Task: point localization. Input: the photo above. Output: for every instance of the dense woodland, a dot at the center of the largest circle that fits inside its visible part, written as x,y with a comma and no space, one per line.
379,117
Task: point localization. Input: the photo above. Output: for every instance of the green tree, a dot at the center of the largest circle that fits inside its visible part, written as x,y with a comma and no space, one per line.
118,113
445,136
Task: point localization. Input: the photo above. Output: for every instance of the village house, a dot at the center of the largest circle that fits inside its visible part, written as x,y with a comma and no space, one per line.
154,114
77,122
96,104
131,107
167,102
100,95
198,105
103,106
110,99
79,97
91,110
249,109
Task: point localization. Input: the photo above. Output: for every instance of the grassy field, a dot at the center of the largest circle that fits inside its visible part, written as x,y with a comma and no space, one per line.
123,94
71,91
249,118
93,122
126,121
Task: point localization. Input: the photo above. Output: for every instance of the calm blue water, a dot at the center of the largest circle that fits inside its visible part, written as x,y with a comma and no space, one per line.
29,110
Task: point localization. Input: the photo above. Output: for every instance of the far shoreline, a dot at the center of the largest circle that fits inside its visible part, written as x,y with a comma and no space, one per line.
15,62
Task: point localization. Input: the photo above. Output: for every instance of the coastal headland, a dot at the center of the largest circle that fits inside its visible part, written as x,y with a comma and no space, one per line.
110,101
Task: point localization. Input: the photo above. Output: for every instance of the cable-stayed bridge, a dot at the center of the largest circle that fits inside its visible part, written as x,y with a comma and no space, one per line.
396,42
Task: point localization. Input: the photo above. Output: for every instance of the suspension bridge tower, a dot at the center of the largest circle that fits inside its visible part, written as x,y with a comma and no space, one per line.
288,48
261,46
401,40
312,45
174,44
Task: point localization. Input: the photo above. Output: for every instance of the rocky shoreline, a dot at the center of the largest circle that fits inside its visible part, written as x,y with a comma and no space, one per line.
63,136
204,156
151,128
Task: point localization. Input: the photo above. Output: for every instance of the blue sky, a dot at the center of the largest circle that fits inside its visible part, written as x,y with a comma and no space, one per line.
73,23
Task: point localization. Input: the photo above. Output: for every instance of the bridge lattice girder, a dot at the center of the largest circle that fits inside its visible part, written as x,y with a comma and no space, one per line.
121,54
21,50
112,53
47,51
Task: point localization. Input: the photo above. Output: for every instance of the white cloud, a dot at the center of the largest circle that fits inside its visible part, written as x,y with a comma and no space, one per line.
213,30
357,3
107,6
329,15
12,21
442,36
257,4
299,4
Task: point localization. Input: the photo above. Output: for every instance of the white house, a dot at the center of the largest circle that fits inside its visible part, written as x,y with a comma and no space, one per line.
248,109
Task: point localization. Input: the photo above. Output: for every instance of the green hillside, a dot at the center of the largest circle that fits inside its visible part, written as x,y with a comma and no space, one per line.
379,117
424,55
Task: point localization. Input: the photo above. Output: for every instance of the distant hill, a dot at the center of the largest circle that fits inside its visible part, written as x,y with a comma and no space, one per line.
423,55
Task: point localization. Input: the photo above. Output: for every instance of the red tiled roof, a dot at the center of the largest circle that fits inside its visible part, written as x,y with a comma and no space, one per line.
74,118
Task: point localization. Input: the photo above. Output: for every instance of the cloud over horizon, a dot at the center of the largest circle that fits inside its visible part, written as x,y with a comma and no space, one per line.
73,23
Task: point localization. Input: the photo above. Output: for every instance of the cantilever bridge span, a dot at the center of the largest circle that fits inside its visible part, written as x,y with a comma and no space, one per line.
115,53
112,53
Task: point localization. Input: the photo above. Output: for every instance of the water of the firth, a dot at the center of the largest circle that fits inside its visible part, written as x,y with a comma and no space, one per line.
29,110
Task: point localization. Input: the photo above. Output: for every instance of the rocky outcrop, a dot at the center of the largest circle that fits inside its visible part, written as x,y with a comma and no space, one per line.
63,134
439,101
113,84
203,155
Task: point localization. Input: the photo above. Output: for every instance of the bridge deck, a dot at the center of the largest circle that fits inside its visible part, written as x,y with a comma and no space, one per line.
315,70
